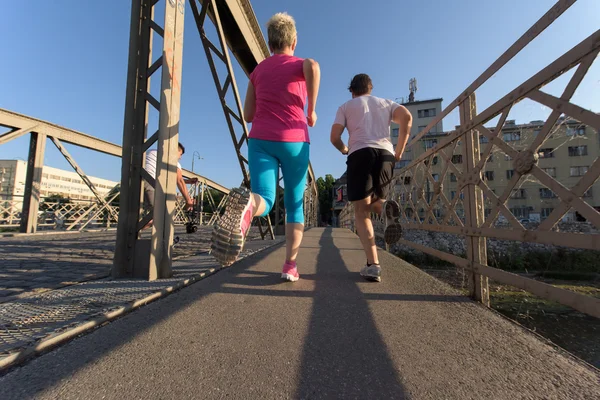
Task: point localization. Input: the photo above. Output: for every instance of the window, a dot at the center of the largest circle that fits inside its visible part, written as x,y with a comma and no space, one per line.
435,160
489,175
428,112
430,143
550,171
577,151
510,173
422,127
436,177
395,132
578,171
546,212
483,139
519,194
520,212
457,159
511,136
407,180
546,193
546,153
452,194
452,177
588,193
403,163
579,131
45,176
507,157
536,131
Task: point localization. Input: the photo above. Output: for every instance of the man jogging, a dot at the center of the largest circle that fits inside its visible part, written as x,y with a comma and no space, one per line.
370,164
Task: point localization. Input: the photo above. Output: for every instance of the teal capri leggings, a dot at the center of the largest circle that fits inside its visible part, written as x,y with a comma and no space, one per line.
264,159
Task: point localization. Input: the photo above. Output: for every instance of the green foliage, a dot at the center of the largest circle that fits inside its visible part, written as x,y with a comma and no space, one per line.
325,186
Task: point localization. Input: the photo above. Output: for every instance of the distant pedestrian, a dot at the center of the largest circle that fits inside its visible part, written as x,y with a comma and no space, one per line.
151,156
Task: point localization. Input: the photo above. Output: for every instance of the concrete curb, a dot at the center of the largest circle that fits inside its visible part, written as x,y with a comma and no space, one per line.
54,340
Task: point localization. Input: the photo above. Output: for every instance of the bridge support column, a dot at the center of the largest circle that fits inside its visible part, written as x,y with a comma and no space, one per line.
474,206
33,180
134,257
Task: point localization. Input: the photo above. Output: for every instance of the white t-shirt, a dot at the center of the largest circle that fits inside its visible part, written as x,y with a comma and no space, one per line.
367,119
151,163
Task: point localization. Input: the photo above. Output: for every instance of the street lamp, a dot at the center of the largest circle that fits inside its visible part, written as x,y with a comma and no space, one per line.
194,155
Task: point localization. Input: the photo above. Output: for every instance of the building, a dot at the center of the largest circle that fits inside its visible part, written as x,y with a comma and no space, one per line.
54,182
423,112
340,197
566,155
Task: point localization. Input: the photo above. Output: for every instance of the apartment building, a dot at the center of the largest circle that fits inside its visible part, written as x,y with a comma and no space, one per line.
566,155
423,112
54,182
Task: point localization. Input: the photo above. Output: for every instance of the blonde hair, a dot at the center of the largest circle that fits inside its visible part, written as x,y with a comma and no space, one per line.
281,30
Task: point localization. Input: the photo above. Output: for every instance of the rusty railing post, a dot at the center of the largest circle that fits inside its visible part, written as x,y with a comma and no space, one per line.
473,203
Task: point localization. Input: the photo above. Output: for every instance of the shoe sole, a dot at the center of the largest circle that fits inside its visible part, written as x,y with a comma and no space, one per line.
289,277
392,233
392,210
227,239
371,278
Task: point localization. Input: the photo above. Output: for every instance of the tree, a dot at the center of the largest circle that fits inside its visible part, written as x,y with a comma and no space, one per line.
325,187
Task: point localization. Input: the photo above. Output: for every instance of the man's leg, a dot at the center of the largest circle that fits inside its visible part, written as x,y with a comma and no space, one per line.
377,205
364,226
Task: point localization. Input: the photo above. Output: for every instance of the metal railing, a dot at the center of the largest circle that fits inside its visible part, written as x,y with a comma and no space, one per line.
425,204
77,215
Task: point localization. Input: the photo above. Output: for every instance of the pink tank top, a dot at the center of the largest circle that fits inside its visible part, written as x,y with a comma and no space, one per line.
280,99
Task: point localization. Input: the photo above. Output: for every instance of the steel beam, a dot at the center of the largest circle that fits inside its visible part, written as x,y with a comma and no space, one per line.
81,174
19,121
168,136
225,24
33,180
133,139
474,213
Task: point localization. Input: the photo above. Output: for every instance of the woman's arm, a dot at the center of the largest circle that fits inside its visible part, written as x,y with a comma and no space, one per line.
312,75
250,103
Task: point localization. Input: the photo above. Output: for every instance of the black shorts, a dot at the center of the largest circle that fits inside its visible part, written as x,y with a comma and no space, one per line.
370,172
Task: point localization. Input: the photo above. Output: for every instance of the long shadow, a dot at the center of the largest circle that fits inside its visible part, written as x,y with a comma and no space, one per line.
344,355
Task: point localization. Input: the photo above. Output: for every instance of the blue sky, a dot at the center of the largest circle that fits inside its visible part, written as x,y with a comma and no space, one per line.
66,61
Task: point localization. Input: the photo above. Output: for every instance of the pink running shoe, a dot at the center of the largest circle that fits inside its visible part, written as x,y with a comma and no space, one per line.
229,233
290,272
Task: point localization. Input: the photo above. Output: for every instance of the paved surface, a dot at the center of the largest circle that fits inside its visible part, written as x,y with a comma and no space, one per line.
27,322
243,334
37,263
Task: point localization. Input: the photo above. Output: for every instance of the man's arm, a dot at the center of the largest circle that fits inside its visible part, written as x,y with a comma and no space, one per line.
403,118
336,138
250,103
183,189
